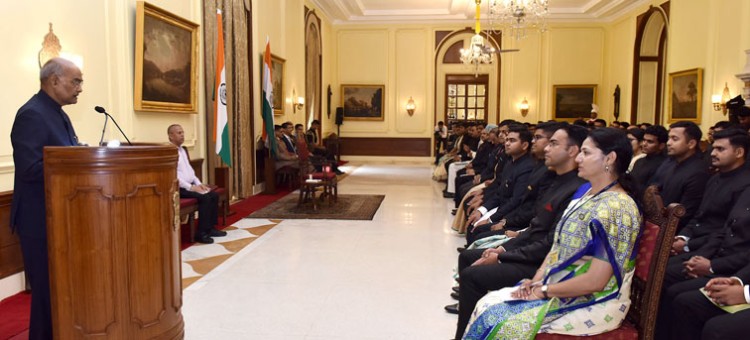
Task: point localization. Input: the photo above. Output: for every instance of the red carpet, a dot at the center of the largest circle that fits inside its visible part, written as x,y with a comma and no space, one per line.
14,315
14,310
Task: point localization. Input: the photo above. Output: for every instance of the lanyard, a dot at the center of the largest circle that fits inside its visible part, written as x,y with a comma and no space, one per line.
579,204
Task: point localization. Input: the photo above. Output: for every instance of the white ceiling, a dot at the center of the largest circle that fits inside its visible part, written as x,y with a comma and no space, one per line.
405,11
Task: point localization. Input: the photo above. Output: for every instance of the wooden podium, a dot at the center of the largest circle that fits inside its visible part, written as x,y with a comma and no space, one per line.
113,239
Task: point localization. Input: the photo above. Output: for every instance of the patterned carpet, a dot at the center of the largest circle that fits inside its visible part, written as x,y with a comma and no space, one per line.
200,259
348,207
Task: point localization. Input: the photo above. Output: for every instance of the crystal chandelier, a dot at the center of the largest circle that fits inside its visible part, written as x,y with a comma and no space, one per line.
517,15
477,53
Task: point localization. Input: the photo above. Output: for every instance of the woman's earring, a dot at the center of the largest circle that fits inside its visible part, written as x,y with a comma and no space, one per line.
606,168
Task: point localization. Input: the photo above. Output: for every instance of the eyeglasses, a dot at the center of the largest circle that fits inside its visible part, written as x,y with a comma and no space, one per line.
538,137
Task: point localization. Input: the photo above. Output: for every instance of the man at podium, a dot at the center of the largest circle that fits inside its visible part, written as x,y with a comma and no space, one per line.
191,187
40,122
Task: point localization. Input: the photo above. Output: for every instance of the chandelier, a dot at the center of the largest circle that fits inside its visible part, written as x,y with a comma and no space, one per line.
517,15
477,53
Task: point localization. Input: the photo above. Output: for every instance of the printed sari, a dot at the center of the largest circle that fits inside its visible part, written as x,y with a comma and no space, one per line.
605,227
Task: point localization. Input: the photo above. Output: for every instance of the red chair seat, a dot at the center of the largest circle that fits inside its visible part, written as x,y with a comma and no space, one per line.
187,202
323,175
626,332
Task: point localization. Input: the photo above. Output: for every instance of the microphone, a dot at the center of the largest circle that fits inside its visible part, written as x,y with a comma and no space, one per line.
107,115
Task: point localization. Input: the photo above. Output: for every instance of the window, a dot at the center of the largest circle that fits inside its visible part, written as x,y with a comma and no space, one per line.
466,98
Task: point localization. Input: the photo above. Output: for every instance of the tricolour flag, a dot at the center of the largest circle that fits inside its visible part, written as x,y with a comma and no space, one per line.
267,99
221,132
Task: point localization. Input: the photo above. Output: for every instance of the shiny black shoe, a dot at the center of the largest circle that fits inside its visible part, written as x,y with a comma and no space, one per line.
453,212
205,239
455,289
453,309
454,295
217,233
448,194
460,249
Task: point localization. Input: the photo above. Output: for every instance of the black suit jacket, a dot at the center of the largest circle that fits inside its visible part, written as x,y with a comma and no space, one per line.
729,250
40,122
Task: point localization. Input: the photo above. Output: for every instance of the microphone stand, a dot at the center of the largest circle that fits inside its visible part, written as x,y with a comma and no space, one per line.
118,128
106,118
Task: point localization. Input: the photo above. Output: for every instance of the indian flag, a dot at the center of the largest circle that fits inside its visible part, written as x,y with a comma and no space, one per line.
221,133
268,100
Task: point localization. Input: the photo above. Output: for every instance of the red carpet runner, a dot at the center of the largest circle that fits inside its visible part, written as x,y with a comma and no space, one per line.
14,310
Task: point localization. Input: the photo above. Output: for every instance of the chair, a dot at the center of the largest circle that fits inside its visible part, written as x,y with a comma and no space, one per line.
328,183
188,207
651,262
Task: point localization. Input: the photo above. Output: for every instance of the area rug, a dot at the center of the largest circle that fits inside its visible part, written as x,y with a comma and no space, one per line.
348,207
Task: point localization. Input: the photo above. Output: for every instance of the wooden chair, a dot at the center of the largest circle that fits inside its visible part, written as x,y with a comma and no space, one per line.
188,207
651,262
328,183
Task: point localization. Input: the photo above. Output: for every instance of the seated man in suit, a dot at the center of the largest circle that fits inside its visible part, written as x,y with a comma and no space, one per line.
514,180
697,317
653,145
682,178
315,146
285,154
191,187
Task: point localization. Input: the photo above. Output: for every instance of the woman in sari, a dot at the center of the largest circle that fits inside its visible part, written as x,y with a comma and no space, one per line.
583,285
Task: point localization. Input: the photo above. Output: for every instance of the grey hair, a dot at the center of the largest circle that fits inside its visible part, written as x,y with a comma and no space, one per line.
54,66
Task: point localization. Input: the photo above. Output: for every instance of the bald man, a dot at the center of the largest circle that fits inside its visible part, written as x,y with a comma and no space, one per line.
40,122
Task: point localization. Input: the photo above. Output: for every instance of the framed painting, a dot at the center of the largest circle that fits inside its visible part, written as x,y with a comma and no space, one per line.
165,61
573,102
277,81
363,102
685,92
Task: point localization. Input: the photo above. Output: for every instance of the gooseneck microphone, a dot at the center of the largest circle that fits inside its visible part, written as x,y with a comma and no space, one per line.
107,115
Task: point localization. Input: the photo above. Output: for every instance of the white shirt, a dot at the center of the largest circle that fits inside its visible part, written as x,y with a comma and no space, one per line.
185,173
443,131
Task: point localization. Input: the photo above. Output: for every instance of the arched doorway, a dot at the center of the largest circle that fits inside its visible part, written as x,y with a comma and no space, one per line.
449,68
649,64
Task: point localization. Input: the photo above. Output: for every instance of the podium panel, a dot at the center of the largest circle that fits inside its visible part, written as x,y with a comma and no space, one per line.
113,238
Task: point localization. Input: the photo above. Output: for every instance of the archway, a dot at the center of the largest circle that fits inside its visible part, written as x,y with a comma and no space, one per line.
649,64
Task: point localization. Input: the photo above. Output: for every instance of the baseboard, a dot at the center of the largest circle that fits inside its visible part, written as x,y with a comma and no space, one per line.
12,285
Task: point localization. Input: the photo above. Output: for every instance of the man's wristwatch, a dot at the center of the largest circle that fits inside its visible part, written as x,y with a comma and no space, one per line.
545,288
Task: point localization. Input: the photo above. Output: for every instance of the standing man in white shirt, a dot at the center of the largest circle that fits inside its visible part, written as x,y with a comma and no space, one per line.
191,187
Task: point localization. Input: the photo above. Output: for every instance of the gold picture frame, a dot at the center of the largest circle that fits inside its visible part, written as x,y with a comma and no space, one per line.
165,73
277,73
685,96
571,102
363,102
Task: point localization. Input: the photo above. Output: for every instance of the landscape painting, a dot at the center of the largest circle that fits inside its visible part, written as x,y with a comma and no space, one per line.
165,62
685,91
363,102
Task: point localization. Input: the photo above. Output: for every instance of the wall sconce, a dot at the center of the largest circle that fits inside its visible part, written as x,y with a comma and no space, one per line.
524,107
720,102
297,102
410,106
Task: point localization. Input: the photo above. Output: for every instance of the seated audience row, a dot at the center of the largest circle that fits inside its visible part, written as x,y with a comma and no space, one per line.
557,225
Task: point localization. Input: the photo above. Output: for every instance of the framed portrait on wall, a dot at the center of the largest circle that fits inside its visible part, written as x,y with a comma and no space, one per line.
685,91
165,61
363,102
572,102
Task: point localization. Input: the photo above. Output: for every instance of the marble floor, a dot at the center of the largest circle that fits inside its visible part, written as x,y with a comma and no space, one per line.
388,278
